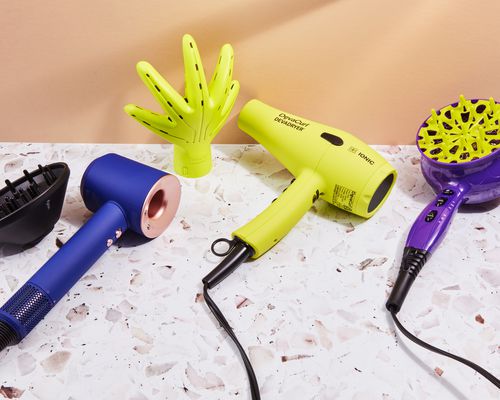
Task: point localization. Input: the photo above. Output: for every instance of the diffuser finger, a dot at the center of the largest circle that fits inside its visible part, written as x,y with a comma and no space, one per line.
169,135
166,95
232,93
161,125
222,75
196,84
149,117
224,110
165,134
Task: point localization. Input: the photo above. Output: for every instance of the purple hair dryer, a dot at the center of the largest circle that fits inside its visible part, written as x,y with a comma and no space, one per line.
460,152
459,160
123,194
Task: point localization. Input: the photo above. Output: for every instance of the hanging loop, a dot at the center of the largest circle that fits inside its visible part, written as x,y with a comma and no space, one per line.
230,244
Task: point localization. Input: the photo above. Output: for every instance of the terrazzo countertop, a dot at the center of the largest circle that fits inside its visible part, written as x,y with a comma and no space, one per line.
310,311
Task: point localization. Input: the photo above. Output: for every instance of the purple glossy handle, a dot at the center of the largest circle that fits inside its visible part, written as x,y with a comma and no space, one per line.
433,222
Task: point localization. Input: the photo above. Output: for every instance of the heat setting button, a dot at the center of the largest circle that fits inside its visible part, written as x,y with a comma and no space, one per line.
441,201
430,216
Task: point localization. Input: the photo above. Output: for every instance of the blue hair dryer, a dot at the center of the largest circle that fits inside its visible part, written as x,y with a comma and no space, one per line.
123,194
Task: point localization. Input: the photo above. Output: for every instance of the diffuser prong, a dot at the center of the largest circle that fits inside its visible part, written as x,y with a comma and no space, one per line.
463,103
492,105
11,187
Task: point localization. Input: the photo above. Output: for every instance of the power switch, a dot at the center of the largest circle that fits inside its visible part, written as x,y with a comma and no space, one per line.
333,139
441,201
430,216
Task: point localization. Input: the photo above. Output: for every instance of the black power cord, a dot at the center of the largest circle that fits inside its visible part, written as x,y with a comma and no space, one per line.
411,264
254,386
237,253
427,346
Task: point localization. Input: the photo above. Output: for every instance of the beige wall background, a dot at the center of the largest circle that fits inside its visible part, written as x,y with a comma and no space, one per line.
373,68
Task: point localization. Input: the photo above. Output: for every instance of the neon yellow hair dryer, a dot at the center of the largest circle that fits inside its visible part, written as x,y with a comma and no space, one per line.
326,163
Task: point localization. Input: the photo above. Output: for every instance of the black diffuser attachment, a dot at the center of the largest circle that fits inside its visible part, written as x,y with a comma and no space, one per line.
32,204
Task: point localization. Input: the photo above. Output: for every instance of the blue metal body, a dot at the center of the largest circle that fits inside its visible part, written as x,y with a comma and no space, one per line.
53,280
116,178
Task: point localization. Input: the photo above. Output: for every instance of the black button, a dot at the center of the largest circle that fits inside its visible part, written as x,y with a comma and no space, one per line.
448,192
430,216
333,139
441,201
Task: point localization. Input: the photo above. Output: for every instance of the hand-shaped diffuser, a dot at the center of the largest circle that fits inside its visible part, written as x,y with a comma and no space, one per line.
190,122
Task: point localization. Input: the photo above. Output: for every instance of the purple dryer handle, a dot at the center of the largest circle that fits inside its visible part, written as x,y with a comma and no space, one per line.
433,222
425,235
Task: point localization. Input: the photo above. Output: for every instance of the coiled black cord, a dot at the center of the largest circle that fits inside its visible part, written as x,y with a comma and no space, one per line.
254,386
427,346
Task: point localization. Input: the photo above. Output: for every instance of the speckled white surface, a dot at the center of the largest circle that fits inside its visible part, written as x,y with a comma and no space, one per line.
310,312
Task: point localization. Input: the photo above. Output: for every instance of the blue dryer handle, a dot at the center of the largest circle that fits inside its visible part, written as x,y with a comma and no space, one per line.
31,303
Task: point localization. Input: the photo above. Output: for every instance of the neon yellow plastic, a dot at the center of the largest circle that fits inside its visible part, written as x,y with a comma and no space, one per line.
190,122
327,163
461,132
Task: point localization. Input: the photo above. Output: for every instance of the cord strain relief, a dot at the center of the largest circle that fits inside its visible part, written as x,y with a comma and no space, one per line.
413,260
239,253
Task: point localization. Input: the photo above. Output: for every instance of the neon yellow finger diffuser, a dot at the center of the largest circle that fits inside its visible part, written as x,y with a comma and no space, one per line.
327,163
191,121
